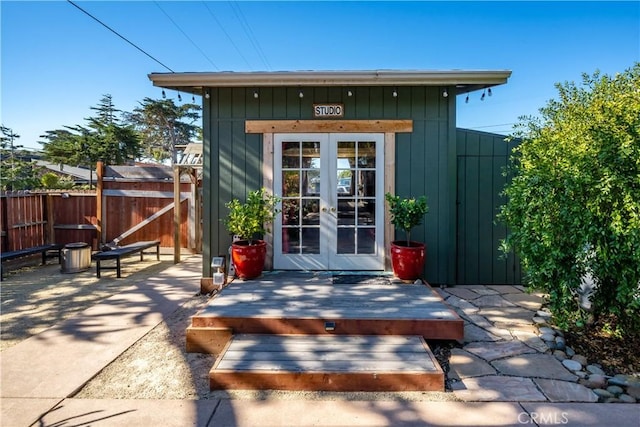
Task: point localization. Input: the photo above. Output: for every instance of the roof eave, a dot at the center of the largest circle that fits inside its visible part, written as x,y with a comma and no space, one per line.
464,81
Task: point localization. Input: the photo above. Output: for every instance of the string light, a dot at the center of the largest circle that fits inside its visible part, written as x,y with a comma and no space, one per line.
301,94
445,93
193,99
466,101
489,92
482,97
179,97
395,93
164,95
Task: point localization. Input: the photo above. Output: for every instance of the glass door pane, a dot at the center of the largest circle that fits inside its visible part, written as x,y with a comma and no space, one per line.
356,195
301,197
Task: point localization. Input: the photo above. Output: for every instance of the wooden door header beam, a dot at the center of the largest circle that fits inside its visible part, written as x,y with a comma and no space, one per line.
323,126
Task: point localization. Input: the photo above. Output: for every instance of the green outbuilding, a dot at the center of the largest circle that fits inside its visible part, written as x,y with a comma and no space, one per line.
332,144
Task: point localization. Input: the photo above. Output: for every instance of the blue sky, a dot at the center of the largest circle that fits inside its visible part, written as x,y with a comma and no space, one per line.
57,62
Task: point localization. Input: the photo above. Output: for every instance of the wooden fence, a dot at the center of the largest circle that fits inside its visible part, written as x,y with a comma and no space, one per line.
129,211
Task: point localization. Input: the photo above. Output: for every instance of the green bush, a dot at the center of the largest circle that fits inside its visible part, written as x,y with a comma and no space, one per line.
573,205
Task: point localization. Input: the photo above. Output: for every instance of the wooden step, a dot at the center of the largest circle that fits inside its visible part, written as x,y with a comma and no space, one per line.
273,307
327,363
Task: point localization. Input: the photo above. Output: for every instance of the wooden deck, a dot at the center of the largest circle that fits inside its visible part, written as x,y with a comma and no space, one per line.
295,303
302,331
327,363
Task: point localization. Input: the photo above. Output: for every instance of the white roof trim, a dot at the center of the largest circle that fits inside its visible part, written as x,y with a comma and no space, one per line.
331,78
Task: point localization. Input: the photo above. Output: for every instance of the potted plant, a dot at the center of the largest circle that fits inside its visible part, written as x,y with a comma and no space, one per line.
407,256
246,221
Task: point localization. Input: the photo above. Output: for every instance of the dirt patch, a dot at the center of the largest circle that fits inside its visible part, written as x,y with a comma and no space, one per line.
600,344
157,366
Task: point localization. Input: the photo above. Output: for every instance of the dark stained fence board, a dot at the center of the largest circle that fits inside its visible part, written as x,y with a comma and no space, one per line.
481,159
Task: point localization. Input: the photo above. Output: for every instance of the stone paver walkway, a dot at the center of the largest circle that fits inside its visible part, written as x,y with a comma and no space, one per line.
503,356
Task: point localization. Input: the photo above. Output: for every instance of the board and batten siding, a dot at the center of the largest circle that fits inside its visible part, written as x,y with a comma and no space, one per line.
425,159
482,158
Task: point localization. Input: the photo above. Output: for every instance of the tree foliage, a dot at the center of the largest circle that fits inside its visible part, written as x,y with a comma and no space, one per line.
17,172
573,205
103,138
165,126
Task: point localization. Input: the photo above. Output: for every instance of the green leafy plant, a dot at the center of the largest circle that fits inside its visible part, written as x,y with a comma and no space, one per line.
407,213
250,218
573,204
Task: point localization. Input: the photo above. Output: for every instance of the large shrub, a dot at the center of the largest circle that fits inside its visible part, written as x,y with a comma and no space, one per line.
573,206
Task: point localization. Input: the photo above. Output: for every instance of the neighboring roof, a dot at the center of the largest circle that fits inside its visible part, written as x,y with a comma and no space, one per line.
463,80
140,173
76,172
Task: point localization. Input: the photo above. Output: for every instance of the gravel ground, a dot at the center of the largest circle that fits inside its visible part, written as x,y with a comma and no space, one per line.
157,366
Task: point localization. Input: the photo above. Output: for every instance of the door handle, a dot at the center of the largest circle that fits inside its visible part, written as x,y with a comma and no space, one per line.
332,209
324,209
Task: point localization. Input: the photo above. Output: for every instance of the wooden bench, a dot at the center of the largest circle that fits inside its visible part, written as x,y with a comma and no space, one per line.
123,251
43,249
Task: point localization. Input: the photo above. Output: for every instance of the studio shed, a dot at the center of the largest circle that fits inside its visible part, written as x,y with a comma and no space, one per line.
331,144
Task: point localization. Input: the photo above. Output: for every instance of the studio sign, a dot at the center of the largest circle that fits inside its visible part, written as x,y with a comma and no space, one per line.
328,110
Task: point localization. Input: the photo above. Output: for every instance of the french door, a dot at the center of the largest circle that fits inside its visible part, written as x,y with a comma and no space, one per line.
332,201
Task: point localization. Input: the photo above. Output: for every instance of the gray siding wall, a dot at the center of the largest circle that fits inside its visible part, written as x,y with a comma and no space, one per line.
482,158
425,159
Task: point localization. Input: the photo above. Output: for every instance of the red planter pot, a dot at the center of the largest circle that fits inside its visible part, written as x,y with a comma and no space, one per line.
407,261
248,260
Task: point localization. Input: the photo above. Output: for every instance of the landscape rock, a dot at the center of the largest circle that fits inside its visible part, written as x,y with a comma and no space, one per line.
604,394
595,369
596,381
572,365
623,380
626,398
615,390
634,391
544,314
580,359
570,352
560,355
548,337
539,320
546,330
581,374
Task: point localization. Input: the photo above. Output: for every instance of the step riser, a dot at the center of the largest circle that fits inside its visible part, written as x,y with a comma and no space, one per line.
429,329
338,382
207,340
